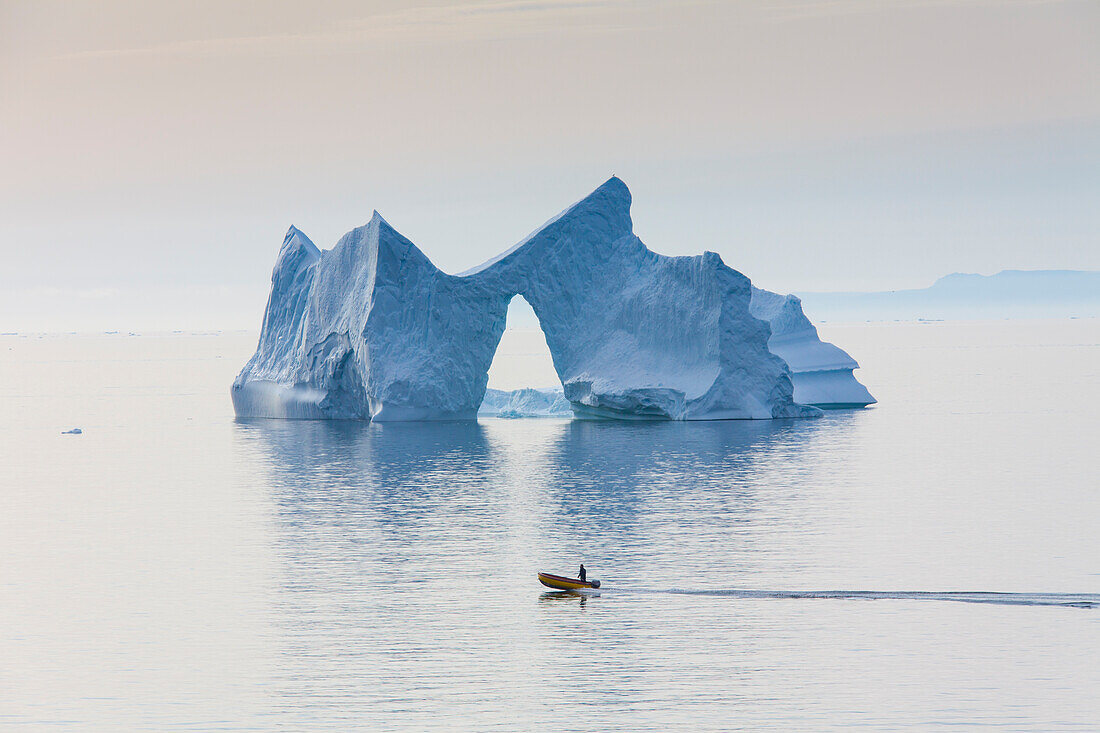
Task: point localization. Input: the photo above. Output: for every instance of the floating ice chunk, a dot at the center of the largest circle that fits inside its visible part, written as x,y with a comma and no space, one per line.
525,403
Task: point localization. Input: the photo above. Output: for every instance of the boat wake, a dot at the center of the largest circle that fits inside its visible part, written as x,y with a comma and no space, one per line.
1069,600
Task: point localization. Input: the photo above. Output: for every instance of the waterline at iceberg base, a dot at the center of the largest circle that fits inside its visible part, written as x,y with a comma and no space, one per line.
372,330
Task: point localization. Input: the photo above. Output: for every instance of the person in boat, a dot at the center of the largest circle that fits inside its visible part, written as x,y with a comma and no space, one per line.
583,574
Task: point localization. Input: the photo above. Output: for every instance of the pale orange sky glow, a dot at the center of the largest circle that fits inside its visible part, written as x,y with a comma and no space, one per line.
815,145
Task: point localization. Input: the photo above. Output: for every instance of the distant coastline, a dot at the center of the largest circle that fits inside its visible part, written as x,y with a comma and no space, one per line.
1009,294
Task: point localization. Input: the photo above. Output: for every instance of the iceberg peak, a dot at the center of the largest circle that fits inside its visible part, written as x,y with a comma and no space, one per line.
297,250
607,208
295,238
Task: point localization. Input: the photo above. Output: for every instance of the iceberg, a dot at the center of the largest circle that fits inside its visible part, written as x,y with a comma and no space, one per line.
371,329
822,372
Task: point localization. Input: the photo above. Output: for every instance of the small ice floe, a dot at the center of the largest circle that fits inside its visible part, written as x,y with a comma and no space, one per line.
74,431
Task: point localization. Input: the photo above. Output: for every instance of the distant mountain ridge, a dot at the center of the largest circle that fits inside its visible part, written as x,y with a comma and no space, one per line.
961,296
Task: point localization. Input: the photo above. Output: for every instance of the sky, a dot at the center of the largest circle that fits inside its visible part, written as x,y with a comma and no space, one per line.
152,155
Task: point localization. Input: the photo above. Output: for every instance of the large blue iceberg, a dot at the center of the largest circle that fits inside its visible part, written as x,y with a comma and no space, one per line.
372,330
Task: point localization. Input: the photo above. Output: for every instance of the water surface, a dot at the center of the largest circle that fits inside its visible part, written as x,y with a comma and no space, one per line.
932,562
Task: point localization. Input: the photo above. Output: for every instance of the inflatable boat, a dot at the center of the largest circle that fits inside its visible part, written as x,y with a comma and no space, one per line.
561,583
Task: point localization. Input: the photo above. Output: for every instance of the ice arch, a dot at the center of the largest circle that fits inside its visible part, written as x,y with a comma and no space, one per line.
522,379
371,329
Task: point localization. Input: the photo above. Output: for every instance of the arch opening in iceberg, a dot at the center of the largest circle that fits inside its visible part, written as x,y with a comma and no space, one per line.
522,379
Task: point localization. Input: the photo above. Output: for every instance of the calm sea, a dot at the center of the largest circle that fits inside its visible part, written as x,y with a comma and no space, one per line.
932,562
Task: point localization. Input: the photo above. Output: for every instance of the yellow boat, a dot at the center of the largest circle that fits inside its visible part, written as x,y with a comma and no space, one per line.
559,583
